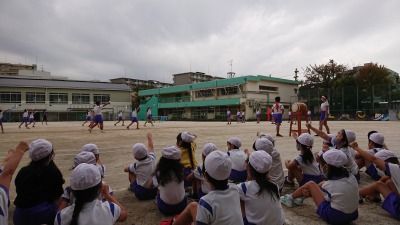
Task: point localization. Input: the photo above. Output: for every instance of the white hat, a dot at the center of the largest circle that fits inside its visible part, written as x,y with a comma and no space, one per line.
84,157
331,136
351,136
188,137
264,144
90,148
139,151
266,135
171,152
85,176
261,161
335,158
208,148
40,149
218,165
385,155
377,138
323,97
235,141
306,139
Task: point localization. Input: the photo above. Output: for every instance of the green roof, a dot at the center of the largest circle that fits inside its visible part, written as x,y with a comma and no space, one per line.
218,102
214,84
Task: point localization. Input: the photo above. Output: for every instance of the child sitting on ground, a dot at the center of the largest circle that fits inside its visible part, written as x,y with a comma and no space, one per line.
238,157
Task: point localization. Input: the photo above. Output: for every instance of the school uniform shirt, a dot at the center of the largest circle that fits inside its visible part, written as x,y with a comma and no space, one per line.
351,163
94,212
238,158
238,114
68,197
102,169
4,203
1,115
276,173
31,115
393,171
342,193
277,108
220,207
89,114
120,114
144,169
260,209
148,112
309,169
199,175
134,113
185,158
172,193
324,106
97,110
25,114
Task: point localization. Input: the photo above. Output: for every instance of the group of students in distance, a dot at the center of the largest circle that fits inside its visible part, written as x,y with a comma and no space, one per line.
233,187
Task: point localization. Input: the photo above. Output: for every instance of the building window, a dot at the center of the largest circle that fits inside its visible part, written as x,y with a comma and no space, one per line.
58,98
10,97
80,98
229,91
35,97
268,88
204,93
101,98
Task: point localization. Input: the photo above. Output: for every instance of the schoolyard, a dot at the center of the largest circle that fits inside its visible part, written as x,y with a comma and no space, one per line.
116,143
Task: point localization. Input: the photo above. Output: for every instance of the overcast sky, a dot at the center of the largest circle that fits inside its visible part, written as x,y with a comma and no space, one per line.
153,39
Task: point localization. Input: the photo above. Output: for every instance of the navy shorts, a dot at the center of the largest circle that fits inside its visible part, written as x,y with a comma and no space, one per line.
322,117
134,119
88,118
149,116
372,172
258,116
119,118
316,178
334,216
391,204
24,119
167,209
278,118
238,176
143,193
228,116
31,120
186,172
98,119
43,213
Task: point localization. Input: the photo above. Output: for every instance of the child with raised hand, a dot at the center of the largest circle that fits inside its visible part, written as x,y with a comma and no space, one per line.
140,172
203,187
120,118
341,141
388,188
222,204
134,118
326,146
86,185
337,198
304,167
276,173
238,157
168,177
259,196
185,142
95,150
67,198
8,169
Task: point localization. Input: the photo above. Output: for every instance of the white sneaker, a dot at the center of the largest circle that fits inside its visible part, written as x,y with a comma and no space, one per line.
298,201
287,200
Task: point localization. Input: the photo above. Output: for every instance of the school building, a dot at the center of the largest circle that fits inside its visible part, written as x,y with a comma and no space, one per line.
210,100
63,99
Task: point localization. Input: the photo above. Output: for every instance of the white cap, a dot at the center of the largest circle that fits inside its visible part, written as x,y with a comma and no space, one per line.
85,176
264,144
331,136
188,137
266,135
377,138
90,148
351,136
171,152
306,139
40,149
323,97
84,157
235,141
218,165
261,161
335,158
139,151
385,155
208,148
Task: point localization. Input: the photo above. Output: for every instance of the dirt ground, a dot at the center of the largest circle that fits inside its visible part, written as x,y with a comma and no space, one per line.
115,151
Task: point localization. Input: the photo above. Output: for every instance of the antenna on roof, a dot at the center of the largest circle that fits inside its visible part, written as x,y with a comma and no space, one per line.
230,74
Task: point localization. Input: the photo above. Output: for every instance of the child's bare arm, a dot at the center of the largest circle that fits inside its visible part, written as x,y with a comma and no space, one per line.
12,164
378,162
150,146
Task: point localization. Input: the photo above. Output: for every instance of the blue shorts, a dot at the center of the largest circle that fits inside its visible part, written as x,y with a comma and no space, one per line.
149,116
31,120
391,204
186,172
238,176
134,119
358,177
246,222
167,209
98,119
88,118
228,116
278,118
372,172
334,216
238,117
1,121
43,213
243,117
258,116
316,178
200,193
322,117
143,193
24,119
119,118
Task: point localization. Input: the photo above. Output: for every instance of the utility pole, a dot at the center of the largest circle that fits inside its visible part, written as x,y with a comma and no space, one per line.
295,74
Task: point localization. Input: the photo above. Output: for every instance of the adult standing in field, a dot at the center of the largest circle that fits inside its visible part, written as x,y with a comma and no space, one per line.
323,119
98,119
278,110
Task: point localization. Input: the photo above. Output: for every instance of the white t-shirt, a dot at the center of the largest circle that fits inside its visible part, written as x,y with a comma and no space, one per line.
172,193
1,115
393,171
243,113
238,158
4,202
342,193
351,163
276,173
97,110
310,169
309,112
68,197
134,113
120,114
25,114
277,110
260,209
89,113
199,175
220,207
144,170
238,113
148,111
228,112
31,115
258,112
95,212
324,106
